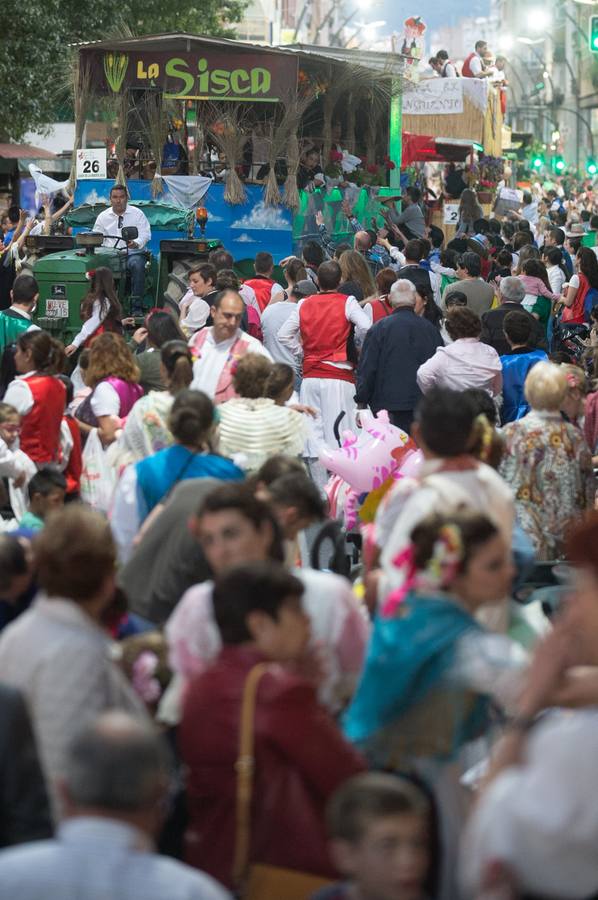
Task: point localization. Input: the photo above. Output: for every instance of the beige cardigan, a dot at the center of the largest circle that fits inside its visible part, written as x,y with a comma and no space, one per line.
61,661
257,429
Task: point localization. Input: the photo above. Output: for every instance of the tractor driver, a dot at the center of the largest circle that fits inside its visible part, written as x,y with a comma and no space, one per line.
110,223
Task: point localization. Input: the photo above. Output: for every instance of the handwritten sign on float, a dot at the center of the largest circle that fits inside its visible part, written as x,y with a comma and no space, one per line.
434,97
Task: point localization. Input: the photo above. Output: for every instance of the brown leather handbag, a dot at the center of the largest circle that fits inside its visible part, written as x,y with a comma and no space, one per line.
258,881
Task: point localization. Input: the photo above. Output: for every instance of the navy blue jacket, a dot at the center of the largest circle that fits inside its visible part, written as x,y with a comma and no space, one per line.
394,349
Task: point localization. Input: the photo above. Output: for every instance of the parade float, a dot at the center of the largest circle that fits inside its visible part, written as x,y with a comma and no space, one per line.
460,121
220,127
235,119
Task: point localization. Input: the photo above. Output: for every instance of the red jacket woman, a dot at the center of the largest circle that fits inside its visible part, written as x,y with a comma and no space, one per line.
38,396
300,755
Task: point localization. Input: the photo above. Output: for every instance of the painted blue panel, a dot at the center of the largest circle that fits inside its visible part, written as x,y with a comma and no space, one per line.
244,229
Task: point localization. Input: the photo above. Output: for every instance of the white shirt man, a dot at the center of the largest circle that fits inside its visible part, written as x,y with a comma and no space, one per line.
217,348
121,215
105,845
111,223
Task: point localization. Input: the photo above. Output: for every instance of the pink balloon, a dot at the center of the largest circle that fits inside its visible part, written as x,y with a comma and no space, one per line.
366,461
411,463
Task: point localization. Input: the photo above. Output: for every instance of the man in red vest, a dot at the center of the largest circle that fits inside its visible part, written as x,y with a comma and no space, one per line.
473,65
266,289
319,331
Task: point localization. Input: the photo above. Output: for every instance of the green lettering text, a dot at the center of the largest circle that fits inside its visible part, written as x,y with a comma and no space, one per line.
240,81
204,76
260,81
177,68
220,81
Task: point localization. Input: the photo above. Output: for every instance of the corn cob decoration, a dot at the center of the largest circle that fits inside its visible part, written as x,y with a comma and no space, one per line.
115,69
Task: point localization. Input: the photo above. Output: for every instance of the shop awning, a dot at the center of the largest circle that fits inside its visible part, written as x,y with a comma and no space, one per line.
425,148
16,158
24,151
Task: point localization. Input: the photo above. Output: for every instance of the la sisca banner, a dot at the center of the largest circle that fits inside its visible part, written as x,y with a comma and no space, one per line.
196,75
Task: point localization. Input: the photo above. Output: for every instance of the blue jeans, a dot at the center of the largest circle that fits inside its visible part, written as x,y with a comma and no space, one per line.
136,268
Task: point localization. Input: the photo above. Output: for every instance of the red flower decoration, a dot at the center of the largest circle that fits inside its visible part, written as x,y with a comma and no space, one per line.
372,169
389,164
336,156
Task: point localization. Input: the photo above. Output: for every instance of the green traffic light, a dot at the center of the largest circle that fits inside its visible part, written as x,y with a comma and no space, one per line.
595,42
538,162
592,168
560,165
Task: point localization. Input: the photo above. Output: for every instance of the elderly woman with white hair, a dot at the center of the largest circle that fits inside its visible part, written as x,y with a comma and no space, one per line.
394,349
511,292
547,463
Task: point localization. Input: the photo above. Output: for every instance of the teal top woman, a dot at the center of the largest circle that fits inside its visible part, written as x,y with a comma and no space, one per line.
147,483
432,671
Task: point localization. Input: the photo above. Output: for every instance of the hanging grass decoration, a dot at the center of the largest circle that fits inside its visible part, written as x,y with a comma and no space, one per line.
81,84
115,69
154,119
295,105
228,129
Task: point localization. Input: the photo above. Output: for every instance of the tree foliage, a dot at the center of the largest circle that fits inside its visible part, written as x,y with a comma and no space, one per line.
38,39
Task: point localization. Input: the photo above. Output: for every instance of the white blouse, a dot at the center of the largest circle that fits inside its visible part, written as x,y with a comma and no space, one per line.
92,324
539,818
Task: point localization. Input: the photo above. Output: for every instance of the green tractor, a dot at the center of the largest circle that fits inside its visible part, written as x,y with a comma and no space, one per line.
63,266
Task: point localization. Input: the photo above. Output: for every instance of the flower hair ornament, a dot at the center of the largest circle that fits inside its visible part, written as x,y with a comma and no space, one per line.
439,571
573,380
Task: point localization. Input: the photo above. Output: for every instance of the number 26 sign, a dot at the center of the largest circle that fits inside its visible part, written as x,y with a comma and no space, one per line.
91,164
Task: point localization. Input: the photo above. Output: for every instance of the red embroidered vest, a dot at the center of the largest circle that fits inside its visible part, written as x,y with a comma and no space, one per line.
263,290
40,431
324,332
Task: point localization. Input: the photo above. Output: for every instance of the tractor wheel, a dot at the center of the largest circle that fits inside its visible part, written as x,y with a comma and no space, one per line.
178,283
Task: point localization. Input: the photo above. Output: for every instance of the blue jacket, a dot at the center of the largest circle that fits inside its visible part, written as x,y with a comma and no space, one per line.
157,474
394,349
515,368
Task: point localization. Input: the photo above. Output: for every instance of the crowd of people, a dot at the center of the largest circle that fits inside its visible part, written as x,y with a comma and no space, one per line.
192,703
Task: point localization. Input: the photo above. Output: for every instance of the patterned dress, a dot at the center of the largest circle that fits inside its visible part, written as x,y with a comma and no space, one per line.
549,467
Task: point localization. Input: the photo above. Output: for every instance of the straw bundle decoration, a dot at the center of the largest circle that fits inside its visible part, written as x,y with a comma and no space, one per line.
122,122
272,195
155,121
295,104
82,88
228,129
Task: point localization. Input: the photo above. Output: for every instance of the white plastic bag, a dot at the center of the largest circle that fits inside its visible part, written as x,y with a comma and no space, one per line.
19,497
98,477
